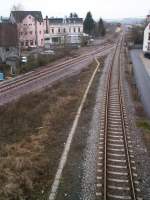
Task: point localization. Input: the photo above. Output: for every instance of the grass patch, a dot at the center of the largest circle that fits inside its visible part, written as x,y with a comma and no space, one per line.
32,135
144,124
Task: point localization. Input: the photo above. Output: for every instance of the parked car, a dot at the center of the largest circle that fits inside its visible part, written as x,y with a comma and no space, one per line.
48,52
24,59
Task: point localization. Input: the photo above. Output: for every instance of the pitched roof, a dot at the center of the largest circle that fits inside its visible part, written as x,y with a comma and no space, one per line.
20,15
8,35
55,20
74,20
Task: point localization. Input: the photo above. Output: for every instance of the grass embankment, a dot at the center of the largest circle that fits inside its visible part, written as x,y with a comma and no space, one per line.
33,132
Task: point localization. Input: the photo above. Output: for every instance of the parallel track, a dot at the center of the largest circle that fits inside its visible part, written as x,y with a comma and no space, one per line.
43,73
116,170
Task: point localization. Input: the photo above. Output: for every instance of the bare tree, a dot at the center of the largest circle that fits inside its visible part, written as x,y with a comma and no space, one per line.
17,7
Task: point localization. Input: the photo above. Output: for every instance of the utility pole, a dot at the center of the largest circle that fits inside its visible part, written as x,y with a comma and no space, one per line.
36,33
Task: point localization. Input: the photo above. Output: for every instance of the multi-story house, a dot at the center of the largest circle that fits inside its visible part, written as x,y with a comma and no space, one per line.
146,41
9,52
30,27
59,31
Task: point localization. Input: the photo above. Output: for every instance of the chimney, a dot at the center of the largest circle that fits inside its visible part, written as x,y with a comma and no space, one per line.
46,24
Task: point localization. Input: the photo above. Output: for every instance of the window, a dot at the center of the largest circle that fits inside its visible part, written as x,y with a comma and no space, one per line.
74,30
26,33
22,44
7,49
30,32
148,46
31,42
64,30
40,32
41,41
40,23
27,42
29,17
58,30
69,30
79,29
149,36
52,30
55,39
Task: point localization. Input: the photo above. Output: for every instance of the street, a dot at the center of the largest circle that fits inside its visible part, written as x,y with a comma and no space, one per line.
142,79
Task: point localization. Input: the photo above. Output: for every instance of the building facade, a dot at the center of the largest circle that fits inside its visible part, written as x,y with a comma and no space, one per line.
59,31
146,41
30,28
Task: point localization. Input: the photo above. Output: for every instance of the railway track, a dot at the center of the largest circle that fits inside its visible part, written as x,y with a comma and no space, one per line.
116,169
46,72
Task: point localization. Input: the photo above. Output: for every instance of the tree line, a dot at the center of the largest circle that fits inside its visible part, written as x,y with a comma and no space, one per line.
92,27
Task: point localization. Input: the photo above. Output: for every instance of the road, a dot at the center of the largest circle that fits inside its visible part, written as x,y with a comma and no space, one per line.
142,79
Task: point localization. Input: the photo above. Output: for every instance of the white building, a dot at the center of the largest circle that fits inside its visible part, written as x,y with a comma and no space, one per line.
59,31
146,42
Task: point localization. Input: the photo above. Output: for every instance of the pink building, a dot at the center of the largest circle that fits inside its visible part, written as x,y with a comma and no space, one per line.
30,27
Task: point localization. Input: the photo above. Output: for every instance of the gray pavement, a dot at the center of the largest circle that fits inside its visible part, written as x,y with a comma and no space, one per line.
142,78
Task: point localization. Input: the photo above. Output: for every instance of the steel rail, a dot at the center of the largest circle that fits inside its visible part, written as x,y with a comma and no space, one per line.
46,71
106,124
123,125
133,193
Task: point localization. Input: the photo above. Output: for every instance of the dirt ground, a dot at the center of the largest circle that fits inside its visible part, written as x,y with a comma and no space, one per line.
71,182
33,132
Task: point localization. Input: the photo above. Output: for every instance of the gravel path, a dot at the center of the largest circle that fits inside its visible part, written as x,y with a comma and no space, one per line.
90,153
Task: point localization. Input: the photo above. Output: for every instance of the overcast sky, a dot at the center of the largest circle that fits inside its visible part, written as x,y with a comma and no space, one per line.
106,9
